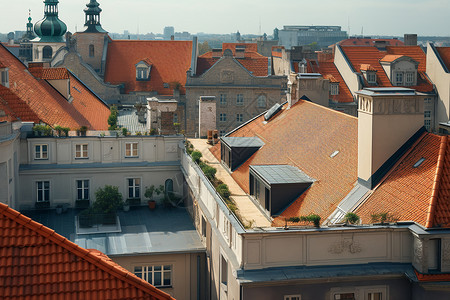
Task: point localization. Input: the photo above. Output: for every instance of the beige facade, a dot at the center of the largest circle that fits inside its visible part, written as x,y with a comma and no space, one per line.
45,52
240,96
92,48
9,164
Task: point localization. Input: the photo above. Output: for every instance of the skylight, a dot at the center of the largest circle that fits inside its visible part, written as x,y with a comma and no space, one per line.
334,153
419,162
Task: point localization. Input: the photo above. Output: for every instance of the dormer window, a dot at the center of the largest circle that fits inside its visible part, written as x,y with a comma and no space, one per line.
401,69
399,78
334,88
409,78
371,77
143,69
369,73
4,74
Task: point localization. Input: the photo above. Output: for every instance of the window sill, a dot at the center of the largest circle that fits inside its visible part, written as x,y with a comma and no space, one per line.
81,157
41,159
132,156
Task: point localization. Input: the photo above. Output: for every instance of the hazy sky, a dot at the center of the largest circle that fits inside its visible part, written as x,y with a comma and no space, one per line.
383,17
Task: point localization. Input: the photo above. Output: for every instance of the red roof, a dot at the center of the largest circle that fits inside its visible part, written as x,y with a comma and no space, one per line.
15,108
369,42
419,194
362,55
329,71
333,177
55,73
47,103
432,277
252,47
254,62
444,53
38,263
170,61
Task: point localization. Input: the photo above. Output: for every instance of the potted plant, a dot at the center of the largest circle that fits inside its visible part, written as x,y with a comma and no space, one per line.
126,205
149,191
83,130
59,209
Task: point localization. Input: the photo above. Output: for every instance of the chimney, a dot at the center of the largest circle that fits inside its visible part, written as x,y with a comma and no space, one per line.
381,45
389,122
410,39
217,53
207,115
172,38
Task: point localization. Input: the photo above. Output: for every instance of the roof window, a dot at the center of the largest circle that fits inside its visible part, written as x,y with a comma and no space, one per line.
4,76
334,153
419,162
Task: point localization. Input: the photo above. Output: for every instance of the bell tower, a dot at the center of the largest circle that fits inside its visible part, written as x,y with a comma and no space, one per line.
92,20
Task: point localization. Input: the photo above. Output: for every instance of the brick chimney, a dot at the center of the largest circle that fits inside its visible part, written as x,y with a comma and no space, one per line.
389,121
410,39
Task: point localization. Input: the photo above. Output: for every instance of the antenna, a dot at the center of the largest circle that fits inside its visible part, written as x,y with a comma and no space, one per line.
362,31
259,33
138,29
348,24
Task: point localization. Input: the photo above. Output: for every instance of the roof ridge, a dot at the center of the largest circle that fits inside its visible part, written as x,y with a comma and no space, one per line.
436,182
77,250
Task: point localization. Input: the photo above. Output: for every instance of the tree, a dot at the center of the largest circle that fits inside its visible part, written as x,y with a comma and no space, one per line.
203,48
107,200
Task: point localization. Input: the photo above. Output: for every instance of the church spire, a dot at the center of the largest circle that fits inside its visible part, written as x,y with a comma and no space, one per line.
30,33
50,28
93,17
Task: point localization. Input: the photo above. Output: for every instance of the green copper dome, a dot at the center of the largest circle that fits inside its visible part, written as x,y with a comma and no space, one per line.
93,17
50,28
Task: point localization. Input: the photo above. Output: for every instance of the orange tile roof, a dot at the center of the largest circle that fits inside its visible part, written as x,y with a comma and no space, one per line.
328,69
432,277
444,53
170,62
390,58
283,137
407,194
55,73
367,67
361,55
368,42
253,62
38,263
252,47
15,108
47,103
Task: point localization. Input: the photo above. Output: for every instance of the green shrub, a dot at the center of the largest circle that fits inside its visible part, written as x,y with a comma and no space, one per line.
223,191
313,218
107,200
209,172
196,155
112,119
124,131
351,218
152,131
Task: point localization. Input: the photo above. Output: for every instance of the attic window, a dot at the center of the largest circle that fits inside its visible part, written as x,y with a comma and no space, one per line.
371,77
143,70
419,162
334,153
4,74
334,89
166,85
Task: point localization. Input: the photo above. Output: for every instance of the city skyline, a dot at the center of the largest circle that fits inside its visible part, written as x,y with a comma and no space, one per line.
247,17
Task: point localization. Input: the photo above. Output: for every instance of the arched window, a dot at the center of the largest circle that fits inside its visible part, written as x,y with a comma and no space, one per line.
91,51
168,186
261,101
47,52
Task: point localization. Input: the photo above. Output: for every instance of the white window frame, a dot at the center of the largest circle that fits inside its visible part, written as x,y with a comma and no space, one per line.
427,114
334,89
409,78
222,133
83,189
41,190
397,76
223,99
371,77
292,297
81,151
131,149
135,188
148,272
40,154
141,73
261,101
4,77
222,117
240,118
239,99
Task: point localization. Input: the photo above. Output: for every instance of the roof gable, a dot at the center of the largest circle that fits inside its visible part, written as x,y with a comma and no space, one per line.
36,261
253,62
170,61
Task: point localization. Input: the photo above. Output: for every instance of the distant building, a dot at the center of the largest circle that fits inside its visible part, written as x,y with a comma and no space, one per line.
169,31
324,36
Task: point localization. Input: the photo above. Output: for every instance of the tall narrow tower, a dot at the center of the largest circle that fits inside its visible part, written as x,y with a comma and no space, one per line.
93,17
50,28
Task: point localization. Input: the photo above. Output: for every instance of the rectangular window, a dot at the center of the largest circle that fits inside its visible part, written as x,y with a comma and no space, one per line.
223,99
223,117
371,77
158,276
134,188
43,191
81,151
344,296
375,296
224,271
131,150
427,114
427,124
175,118
427,100
222,133
399,78
5,78
409,78
334,89
41,151
239,118
82,189
293,297
240,99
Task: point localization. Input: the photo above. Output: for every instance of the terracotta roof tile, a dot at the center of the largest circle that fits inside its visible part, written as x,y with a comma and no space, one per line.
38,263
390,58
406,192
15,108
362,55
367,67
47,103
282,135
369,42
252,47
432,277
444,53
254,62
329,70
170,62
55,73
